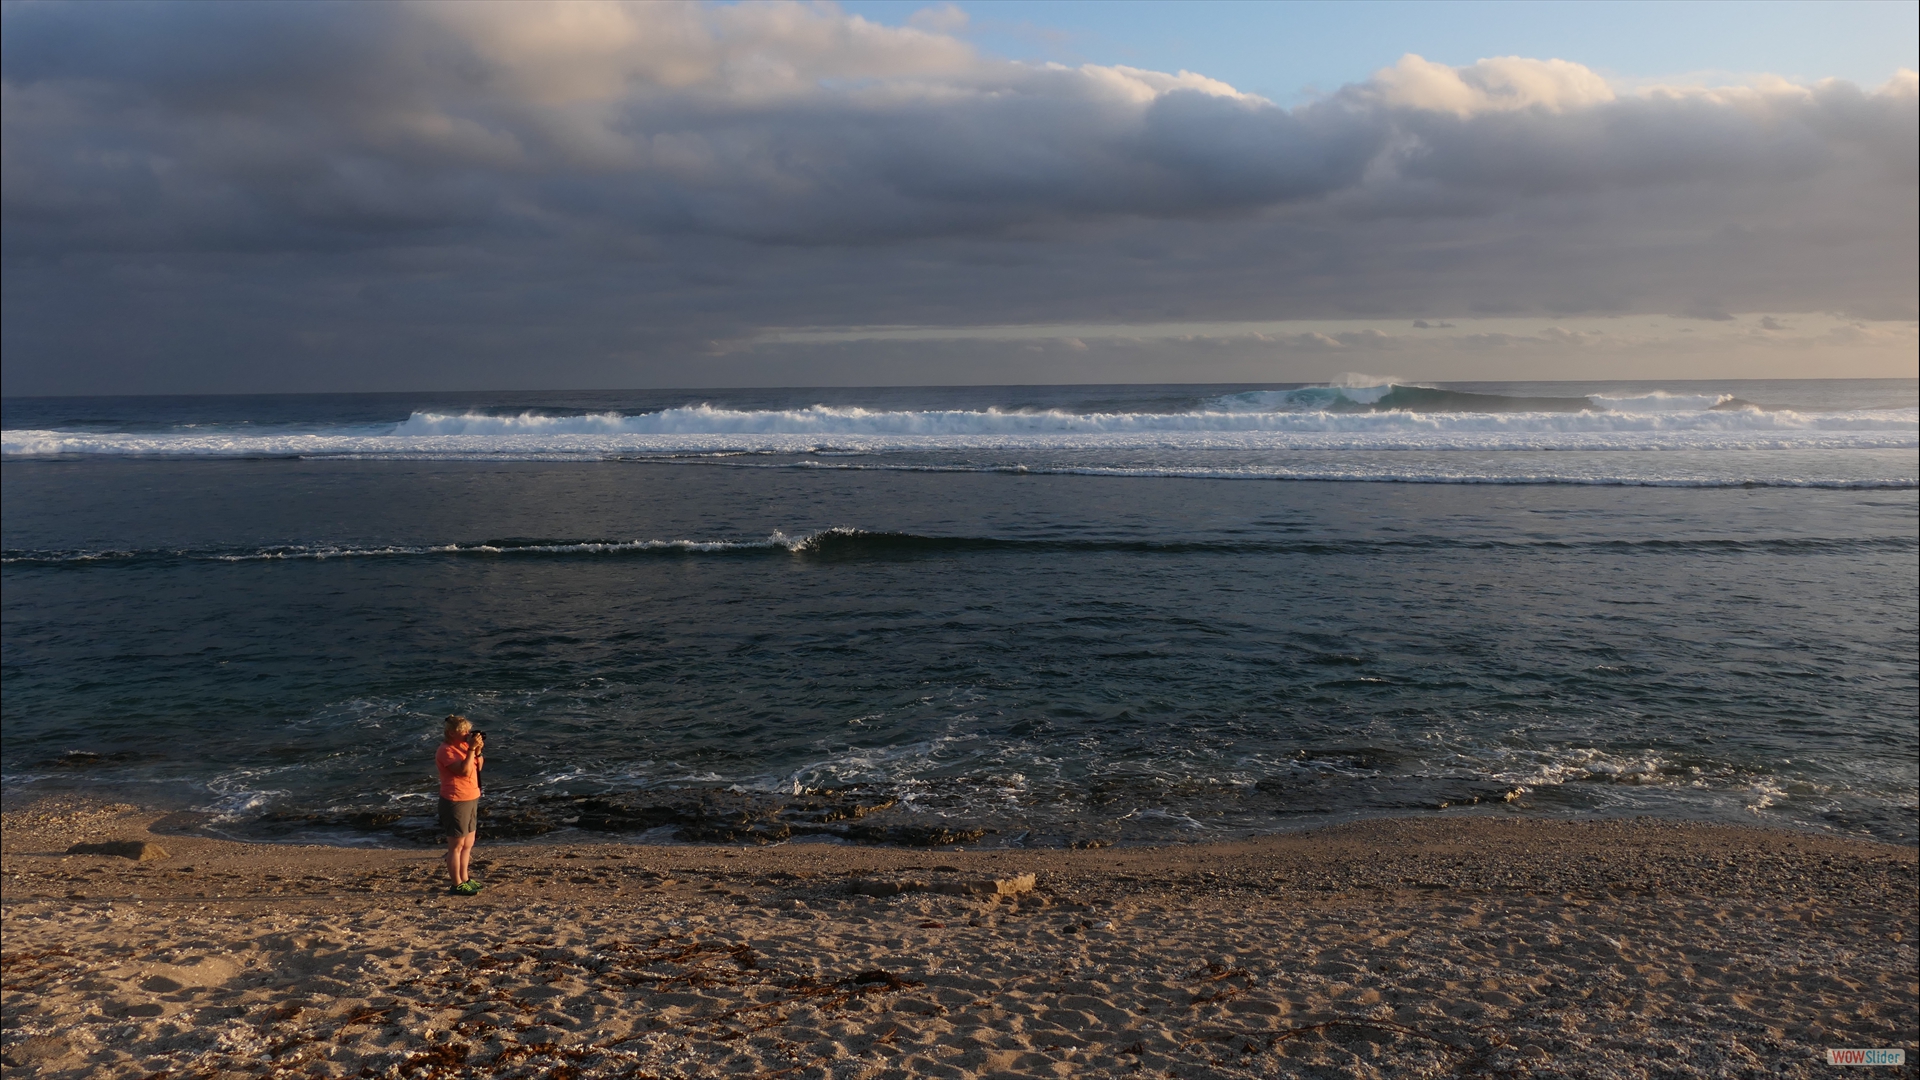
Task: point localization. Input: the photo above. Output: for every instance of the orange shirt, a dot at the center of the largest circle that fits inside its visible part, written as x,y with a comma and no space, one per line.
455,785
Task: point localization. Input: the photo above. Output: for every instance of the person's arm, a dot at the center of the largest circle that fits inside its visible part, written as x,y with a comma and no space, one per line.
475,762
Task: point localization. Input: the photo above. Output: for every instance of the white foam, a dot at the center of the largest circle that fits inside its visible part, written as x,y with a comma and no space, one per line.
705,429
1313,433
776,541
1658,401
1360,380
582,548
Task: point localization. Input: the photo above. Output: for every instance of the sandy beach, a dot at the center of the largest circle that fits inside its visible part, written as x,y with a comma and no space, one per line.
1435,947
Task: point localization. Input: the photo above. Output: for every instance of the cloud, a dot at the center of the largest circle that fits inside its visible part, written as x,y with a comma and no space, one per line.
773,122
940,19
617,185
1504,84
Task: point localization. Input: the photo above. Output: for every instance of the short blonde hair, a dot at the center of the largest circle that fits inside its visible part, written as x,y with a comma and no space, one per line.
458,725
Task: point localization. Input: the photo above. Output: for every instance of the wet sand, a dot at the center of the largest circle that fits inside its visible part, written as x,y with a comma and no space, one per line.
1443,946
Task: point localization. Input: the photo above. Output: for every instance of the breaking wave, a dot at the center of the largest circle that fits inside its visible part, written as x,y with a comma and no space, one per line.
1218,438
857,430
844,542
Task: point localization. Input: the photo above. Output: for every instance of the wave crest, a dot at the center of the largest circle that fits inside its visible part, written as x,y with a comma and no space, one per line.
850,542
1354,415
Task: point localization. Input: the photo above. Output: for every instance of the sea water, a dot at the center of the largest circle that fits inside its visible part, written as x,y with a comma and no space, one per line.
1067,614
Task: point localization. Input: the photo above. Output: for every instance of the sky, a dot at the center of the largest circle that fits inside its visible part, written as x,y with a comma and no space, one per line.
1291,52
231,197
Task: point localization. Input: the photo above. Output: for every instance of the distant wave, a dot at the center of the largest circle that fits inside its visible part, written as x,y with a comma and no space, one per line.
1260,410
532,438
1715,460
1594,474
1388,397
1308,411
842,542
1355,415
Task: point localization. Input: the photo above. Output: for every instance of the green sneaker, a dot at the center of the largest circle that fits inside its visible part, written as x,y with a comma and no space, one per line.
468,887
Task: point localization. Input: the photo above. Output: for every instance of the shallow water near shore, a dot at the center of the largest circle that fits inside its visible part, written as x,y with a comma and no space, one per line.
1050,627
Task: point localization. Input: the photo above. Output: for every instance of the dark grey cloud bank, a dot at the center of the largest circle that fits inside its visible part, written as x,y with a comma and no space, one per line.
233,196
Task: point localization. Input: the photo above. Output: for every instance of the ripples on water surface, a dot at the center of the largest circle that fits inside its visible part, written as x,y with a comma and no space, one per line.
1055,614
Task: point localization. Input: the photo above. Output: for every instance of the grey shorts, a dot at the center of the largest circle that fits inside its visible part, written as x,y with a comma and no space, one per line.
459,818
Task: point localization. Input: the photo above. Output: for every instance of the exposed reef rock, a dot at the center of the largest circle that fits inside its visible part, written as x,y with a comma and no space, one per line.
696,815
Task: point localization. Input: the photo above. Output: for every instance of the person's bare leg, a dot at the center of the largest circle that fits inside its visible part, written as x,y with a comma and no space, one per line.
466,857
454,869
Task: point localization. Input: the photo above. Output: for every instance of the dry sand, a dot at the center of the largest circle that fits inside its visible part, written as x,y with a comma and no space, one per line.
1438,947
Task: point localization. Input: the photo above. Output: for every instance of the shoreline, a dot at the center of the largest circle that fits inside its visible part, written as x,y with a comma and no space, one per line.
1610,948
696,816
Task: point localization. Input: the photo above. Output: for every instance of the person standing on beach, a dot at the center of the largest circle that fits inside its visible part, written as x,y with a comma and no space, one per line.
459,762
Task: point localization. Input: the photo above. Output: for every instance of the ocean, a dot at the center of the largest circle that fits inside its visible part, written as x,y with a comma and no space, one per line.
994,616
